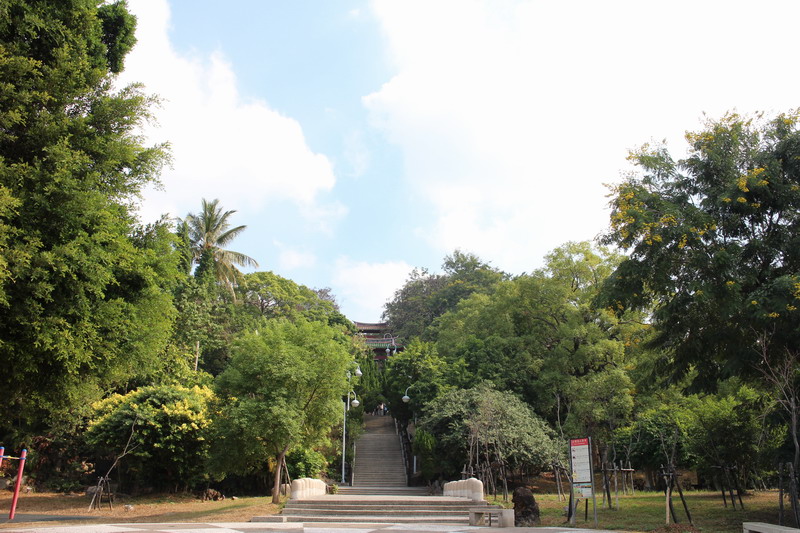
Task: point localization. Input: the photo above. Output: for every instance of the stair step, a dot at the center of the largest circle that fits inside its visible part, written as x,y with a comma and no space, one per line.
384,512
367,519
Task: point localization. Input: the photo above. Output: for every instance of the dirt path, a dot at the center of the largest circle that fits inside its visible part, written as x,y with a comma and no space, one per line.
72,509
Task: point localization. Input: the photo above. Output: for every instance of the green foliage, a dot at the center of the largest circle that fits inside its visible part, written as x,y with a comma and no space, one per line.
418,367
118,33
8,205
282,389
728,429
425,296
714,244
371,384
482,420
657,436
540,337
87,309
209,231
600,403
305,462
273,296
424,447
168,428
205,323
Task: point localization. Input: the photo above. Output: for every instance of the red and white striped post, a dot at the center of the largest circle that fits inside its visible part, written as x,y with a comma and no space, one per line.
22,457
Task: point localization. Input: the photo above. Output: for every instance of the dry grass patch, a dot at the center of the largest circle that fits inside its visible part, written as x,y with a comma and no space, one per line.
153,508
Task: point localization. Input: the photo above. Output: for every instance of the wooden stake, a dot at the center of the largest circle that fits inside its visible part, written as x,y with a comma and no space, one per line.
683,500
780,494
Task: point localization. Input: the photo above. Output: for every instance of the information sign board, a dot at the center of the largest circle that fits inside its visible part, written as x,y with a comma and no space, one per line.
584,489
581,460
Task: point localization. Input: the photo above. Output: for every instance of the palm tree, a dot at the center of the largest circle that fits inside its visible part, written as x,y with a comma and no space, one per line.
209,231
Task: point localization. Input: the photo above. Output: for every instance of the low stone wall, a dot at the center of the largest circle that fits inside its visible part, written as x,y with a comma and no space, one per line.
307,488
466,488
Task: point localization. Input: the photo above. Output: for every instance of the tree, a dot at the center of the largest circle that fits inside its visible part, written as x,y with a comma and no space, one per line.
282,389
419,367
167,428
540,337
482,425
273,296
714,244
728,430
209,232
413,307
82,306
425,296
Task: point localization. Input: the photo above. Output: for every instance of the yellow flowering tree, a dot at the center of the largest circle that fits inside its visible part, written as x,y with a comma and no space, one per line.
164,431
713,244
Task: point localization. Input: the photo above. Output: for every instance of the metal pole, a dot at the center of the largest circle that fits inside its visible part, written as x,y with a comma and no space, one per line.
22,457
344,436
594,496
344,429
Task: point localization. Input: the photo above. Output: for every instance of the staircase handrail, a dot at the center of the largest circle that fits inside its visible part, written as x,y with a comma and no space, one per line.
405,447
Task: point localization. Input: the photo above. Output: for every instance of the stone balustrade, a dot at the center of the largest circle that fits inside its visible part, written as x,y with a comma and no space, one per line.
466,488
304,488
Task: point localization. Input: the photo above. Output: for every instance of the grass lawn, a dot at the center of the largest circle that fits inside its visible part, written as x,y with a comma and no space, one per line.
645,511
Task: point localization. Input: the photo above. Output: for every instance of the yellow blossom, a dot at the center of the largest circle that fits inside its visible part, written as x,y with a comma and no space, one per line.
774,315
753,302
741,200
742,184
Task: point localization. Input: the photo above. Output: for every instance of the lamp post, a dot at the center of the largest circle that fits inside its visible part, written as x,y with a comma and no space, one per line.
346,407
405,397
393,349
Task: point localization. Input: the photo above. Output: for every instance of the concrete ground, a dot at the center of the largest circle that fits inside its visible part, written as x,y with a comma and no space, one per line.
260,527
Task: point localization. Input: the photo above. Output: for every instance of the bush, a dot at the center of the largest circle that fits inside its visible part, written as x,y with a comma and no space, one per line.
166,428
305,463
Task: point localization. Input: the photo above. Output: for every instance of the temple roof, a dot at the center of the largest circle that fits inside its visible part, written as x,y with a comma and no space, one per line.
363,327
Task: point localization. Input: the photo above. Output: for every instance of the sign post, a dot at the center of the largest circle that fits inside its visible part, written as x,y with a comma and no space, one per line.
580,462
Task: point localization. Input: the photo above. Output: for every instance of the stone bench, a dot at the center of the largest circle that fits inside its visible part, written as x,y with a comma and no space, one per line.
482,516
762,527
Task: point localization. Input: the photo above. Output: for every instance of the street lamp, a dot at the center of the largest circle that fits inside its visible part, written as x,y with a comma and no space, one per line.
346,406
355,402
393,349
405,397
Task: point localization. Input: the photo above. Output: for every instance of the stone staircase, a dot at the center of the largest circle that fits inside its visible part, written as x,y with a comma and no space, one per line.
379,494
379,467
360,509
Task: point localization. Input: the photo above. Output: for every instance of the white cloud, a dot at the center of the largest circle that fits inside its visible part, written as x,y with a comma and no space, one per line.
511,115
243,152
363,288
290,259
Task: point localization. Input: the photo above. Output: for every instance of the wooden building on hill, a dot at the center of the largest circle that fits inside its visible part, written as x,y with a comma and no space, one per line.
379,339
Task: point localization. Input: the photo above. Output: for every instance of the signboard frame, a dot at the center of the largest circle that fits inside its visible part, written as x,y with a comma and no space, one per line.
581,469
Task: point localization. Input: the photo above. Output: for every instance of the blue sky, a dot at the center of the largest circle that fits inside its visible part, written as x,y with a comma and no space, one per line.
359,139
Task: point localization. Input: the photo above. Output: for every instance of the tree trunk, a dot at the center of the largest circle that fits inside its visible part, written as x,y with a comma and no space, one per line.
276,488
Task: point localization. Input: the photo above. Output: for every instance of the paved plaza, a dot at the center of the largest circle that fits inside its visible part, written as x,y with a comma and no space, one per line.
255,527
